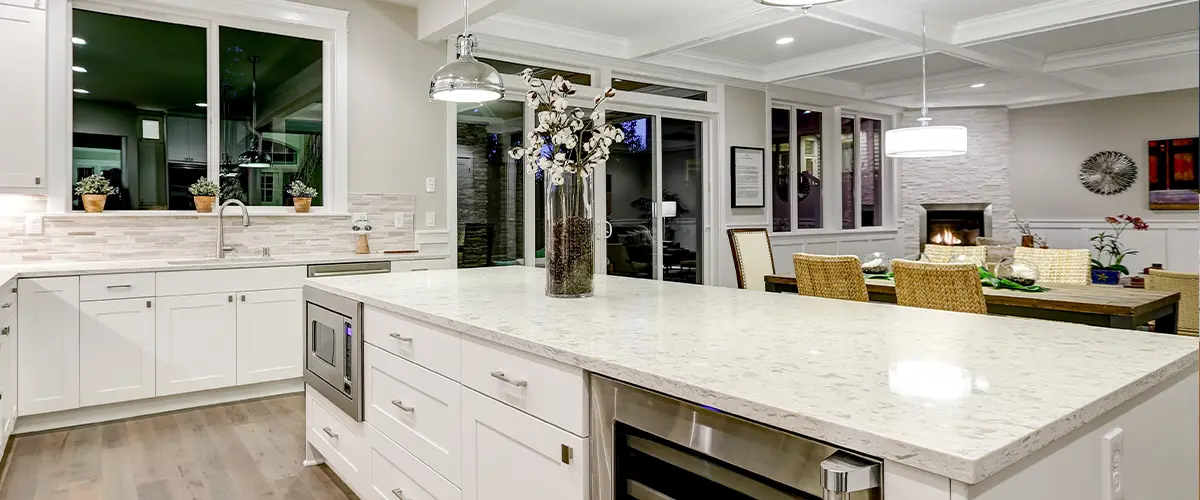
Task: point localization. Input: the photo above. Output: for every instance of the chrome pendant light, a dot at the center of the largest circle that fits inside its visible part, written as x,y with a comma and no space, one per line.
925,141
466,79
254,157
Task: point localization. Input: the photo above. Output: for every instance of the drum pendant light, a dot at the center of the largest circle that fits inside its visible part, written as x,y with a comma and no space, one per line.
466,79
925,141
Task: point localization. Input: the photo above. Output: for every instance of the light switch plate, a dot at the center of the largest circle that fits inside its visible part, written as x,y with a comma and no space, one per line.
430,219
33,224
430,184
1112,449
399,220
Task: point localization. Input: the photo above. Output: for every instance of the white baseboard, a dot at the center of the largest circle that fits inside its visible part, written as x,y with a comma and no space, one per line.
143,407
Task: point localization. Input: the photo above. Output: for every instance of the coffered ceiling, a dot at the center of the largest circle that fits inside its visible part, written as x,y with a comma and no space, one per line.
1025,52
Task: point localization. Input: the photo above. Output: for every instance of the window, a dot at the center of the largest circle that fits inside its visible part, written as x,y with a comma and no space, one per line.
491,185
848,168
657,89
153,115
796,188
871,171
513,68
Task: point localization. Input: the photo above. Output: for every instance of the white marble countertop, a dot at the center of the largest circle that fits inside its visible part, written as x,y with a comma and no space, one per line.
44,269
958,395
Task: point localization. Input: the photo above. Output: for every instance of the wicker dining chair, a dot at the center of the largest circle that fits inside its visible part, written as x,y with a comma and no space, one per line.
830,276
1188,286
1058,265
947,287
943,254
752,257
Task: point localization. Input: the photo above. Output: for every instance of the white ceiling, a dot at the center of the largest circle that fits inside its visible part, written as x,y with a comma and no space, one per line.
1027,51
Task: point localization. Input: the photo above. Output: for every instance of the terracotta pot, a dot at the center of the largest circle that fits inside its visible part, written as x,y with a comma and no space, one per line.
204,204
1027,241
94,203
302,204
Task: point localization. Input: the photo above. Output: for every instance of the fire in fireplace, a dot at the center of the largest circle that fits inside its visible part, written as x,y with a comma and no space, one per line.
955,223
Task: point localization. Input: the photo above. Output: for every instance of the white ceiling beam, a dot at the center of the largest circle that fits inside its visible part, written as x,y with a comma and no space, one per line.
439,20
1179,44
827,85
1051,16
832,61
552,36
686,32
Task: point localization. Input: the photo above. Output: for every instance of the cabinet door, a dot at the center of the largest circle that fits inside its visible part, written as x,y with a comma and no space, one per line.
270,335
116,351
508,454
23,97
197,140
195,343
178,138
48,368
7,393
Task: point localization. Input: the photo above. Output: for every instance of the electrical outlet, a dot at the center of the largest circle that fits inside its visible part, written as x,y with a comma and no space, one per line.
399,220
1112,449
430,219
356,216
33,224
430,185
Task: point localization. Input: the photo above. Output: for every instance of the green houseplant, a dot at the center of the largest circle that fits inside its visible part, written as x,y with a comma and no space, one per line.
94,189
1108,246
302,196
204,193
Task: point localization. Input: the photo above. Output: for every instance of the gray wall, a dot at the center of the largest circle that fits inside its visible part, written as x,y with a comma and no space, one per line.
397,136
745,125
1050,142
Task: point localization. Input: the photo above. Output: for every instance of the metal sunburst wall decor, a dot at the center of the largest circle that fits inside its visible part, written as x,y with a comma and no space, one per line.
1108,172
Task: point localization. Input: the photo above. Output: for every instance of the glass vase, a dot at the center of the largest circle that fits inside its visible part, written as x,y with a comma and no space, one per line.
570,238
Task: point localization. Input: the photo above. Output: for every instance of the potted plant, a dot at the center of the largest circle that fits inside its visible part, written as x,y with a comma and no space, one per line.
302,196
1109,245
94,189
204,193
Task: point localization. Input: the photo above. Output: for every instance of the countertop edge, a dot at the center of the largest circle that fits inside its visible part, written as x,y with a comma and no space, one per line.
969,470
15,271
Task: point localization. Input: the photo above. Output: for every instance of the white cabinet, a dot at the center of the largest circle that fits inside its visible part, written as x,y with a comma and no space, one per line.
48,365
270,335
508,454
195,343
8,381
116,351
187,139
23,97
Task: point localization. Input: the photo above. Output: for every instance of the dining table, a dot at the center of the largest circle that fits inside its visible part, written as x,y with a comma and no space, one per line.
1097,305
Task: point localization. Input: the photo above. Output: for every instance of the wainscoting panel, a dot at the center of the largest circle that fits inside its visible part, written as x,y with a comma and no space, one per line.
850,243
1172,243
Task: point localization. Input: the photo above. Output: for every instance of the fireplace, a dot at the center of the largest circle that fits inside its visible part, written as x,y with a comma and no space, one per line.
957,224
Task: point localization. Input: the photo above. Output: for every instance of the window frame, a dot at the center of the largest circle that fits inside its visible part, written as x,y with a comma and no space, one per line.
885,173
282,17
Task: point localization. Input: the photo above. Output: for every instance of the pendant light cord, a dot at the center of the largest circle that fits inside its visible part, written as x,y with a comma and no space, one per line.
924,76
465,23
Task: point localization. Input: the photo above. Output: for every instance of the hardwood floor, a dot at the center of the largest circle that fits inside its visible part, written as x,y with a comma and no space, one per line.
248,450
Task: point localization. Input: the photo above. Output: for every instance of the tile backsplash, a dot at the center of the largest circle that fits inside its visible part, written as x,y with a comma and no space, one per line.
80,237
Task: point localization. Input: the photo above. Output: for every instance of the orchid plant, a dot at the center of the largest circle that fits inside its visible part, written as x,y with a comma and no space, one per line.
1110,244
566,140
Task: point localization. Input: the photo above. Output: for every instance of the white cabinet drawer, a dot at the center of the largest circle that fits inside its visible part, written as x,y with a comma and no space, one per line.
397,475
404,266
116,286
416,408
339,440
229,280
550,391
421,343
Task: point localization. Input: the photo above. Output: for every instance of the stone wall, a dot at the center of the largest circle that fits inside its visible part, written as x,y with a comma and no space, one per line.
90,237
491,192
980,176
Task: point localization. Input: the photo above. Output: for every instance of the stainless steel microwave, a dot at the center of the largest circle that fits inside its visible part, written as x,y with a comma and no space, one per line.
333,349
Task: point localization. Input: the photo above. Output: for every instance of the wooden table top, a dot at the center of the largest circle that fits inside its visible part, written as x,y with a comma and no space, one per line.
1094,299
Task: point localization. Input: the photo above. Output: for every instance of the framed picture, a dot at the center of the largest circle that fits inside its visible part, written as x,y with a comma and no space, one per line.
1174,184
747,168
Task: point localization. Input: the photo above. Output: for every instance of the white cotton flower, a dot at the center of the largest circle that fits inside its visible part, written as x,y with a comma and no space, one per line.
516,153
571,141
531,99
560,159
619,136
559,104
595,116
576,125
544,164
527,74
556,178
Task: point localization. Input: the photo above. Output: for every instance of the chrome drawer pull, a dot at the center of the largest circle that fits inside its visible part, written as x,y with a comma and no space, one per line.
400,404
5,331
501,377
399,337
330,432
399,494
115,287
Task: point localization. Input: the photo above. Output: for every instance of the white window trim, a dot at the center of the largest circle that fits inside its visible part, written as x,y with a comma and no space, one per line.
272,16
885,168
831,164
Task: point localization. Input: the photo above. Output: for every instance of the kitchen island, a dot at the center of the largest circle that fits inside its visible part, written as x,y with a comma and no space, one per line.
955,405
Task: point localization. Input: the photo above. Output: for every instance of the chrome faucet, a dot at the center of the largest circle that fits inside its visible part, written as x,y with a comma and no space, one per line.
221,248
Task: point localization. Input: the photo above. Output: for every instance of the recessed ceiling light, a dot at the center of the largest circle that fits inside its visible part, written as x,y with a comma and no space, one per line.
79,69
795,3
202,104
808,111
978,85
80,91
78,41
785,40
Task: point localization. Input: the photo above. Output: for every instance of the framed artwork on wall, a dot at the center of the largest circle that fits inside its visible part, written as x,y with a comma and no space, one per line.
1174,183
747,177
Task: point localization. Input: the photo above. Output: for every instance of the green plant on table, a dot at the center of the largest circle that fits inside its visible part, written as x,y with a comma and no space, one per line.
94,184
204,187
1108,245
987,278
